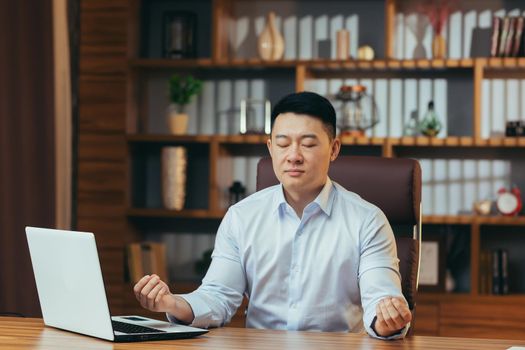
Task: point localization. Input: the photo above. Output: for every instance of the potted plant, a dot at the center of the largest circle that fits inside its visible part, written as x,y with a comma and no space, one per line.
181,91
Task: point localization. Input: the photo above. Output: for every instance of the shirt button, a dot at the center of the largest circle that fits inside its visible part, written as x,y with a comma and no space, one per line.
293,305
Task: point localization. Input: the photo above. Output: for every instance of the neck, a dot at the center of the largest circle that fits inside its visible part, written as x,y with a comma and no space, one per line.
298,200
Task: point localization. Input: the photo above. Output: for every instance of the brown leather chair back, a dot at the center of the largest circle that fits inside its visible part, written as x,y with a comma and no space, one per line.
392,184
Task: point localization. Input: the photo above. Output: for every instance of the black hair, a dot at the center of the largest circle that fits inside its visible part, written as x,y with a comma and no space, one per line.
308,103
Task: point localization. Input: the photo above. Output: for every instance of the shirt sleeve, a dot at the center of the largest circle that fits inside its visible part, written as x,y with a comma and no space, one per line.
221,292
379,275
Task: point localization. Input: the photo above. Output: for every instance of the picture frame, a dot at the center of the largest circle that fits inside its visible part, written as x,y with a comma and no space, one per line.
432,268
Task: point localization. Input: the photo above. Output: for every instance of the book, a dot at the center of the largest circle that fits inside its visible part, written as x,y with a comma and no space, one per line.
485,274
518,34
500,274
496,27
503,36
488,286
504,279
509,41
496,270
134,262
146,258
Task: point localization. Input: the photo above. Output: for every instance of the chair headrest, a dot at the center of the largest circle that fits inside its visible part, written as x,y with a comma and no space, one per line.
392,184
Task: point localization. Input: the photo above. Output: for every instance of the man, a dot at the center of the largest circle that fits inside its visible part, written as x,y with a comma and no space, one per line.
308,254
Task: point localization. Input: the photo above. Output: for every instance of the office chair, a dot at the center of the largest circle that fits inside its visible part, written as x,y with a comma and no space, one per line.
393,185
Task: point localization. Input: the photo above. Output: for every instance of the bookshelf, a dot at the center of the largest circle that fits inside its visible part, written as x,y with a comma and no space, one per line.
135,133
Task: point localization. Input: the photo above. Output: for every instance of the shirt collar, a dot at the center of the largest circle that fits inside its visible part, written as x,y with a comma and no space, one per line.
324,199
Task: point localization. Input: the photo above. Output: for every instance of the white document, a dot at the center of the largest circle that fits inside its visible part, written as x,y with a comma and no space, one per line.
429,272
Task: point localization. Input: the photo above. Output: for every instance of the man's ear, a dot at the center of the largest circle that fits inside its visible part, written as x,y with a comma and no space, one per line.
269,145
336,147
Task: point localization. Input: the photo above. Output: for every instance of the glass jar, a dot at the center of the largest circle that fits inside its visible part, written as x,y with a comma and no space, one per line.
358,110
430,125
255,116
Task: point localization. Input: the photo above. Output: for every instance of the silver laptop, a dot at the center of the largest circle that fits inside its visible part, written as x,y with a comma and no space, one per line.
72,294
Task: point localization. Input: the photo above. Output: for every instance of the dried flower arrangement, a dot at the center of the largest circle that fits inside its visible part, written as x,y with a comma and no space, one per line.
437,12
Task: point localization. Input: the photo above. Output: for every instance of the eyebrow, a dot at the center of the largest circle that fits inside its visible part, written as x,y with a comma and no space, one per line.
306,136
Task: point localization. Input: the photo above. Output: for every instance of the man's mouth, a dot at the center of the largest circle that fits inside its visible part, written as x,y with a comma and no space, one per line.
294,172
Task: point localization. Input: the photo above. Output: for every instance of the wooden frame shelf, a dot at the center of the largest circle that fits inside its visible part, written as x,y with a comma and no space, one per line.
427,219
166,138
226,139
166,213
463,141
468,297
325,64
319,65
507,62
474,219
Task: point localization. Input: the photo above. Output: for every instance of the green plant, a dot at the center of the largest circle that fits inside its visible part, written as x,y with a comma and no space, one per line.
182,89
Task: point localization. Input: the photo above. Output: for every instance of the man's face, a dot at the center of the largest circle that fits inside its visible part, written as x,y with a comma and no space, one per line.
301,152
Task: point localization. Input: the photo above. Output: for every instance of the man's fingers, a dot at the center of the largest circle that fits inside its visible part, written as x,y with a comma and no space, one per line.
387,316
148,287
395,313
149,291
140,284
395,316
152,296
403,310
164,291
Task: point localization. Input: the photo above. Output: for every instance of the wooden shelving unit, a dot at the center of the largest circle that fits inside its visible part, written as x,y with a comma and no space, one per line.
166,213
115,116
379,64
474,220
465,141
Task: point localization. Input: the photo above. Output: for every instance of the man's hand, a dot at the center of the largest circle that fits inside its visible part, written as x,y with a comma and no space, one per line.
392,315
153,294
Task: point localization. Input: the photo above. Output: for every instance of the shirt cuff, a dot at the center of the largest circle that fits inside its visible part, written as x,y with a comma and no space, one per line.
398,335
201,311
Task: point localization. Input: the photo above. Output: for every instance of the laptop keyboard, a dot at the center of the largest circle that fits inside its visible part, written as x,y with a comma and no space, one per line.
132,328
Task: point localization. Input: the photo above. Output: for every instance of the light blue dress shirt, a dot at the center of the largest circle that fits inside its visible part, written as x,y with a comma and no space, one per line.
325,271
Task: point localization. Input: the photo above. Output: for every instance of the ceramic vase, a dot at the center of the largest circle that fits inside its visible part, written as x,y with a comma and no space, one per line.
270,43
342,51
174,164
439,46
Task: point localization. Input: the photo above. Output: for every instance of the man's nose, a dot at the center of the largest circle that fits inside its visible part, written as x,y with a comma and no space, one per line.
295,155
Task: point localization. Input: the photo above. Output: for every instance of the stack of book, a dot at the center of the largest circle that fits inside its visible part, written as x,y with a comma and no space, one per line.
507,37
494,275
146,258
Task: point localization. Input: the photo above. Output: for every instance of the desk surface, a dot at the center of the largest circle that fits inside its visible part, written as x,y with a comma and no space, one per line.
30,333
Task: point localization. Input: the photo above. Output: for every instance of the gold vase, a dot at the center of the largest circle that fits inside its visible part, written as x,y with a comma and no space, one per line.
439,46
270,43
174,162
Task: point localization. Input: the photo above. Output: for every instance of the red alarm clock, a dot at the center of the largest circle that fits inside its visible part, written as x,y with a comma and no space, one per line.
509,202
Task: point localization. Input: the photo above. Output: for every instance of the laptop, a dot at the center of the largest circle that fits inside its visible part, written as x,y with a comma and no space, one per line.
72,294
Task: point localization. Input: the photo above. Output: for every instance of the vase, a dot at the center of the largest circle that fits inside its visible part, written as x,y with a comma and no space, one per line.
270,43
342,47
439,46
173,169
177,122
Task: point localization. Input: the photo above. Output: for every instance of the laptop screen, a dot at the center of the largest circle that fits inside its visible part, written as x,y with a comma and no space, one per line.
69,281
